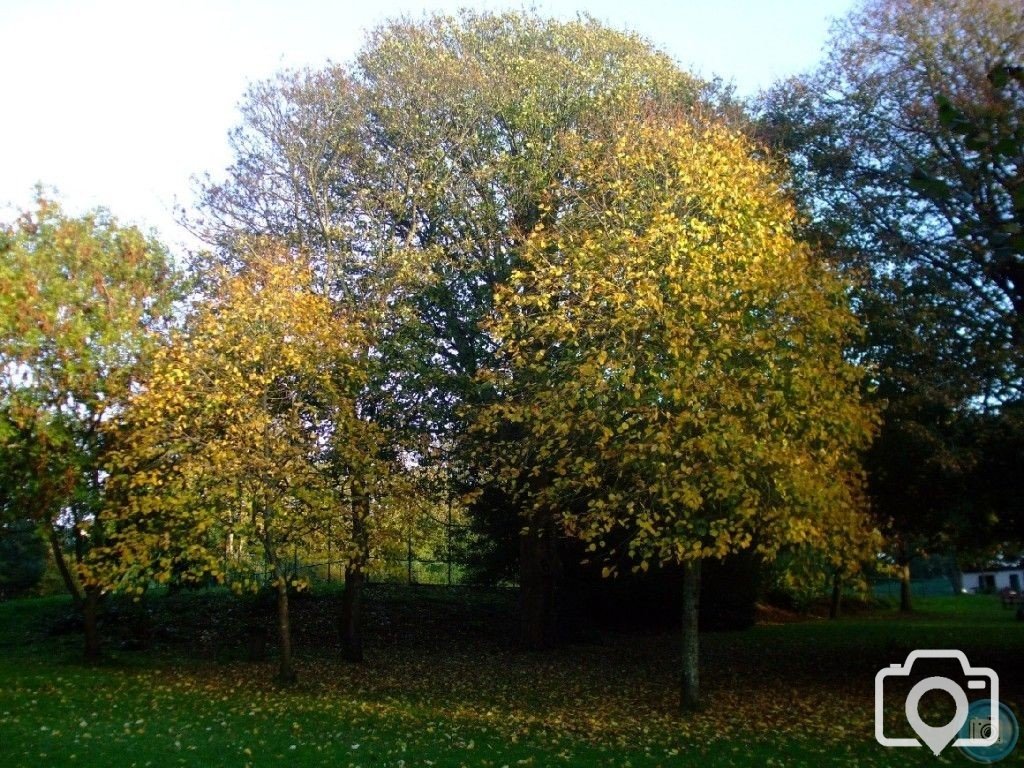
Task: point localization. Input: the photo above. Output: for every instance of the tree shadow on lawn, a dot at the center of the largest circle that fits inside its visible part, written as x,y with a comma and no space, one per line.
448,654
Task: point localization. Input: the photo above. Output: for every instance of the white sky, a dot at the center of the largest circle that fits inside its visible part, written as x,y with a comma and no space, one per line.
121,102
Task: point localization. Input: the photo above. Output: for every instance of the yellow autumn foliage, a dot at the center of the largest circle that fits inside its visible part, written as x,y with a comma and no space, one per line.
245,439
673,358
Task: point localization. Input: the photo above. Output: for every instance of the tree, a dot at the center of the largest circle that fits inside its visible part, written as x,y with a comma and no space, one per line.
993,132
246,440
902,145
77,297
846,556
437,143
673,362
897,184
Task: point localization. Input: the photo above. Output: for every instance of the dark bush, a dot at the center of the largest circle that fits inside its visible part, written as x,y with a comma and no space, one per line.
22,558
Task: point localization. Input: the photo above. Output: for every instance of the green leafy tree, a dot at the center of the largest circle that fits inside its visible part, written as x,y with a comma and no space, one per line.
905,146
842,560
437,145
673,363
78,297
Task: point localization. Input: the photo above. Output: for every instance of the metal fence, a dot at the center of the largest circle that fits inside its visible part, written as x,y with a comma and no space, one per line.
316,568
389,570
935,587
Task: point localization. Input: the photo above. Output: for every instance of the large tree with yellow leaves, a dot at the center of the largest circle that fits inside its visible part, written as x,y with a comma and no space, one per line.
246,440
673,362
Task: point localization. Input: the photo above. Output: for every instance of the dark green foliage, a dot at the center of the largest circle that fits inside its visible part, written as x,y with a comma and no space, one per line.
22,558
906,151
493,552
995,482
993,135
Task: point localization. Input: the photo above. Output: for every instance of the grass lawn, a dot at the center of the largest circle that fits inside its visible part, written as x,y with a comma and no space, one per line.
442,686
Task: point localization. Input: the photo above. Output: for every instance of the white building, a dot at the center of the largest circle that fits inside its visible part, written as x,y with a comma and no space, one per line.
994,579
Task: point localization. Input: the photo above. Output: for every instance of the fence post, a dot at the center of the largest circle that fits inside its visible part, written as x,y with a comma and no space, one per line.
408,555
448,539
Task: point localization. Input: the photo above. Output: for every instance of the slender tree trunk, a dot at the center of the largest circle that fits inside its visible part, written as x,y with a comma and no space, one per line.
906,605
351,615
837,596
690,693
286,673
539,570
90,623
350,621
62,567
531,604
93,593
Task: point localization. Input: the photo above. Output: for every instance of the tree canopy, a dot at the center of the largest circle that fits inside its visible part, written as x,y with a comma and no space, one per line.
434,149
438,140
893,182
246,439
905,145
79,300
675,357
672,359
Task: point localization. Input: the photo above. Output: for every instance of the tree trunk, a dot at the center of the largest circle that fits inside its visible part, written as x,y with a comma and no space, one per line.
90,622
539,569
286,674
906,605
350,621
837,596
351,613
62,567
690,693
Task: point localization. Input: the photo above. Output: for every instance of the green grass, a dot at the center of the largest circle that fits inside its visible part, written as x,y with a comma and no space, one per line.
443,687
